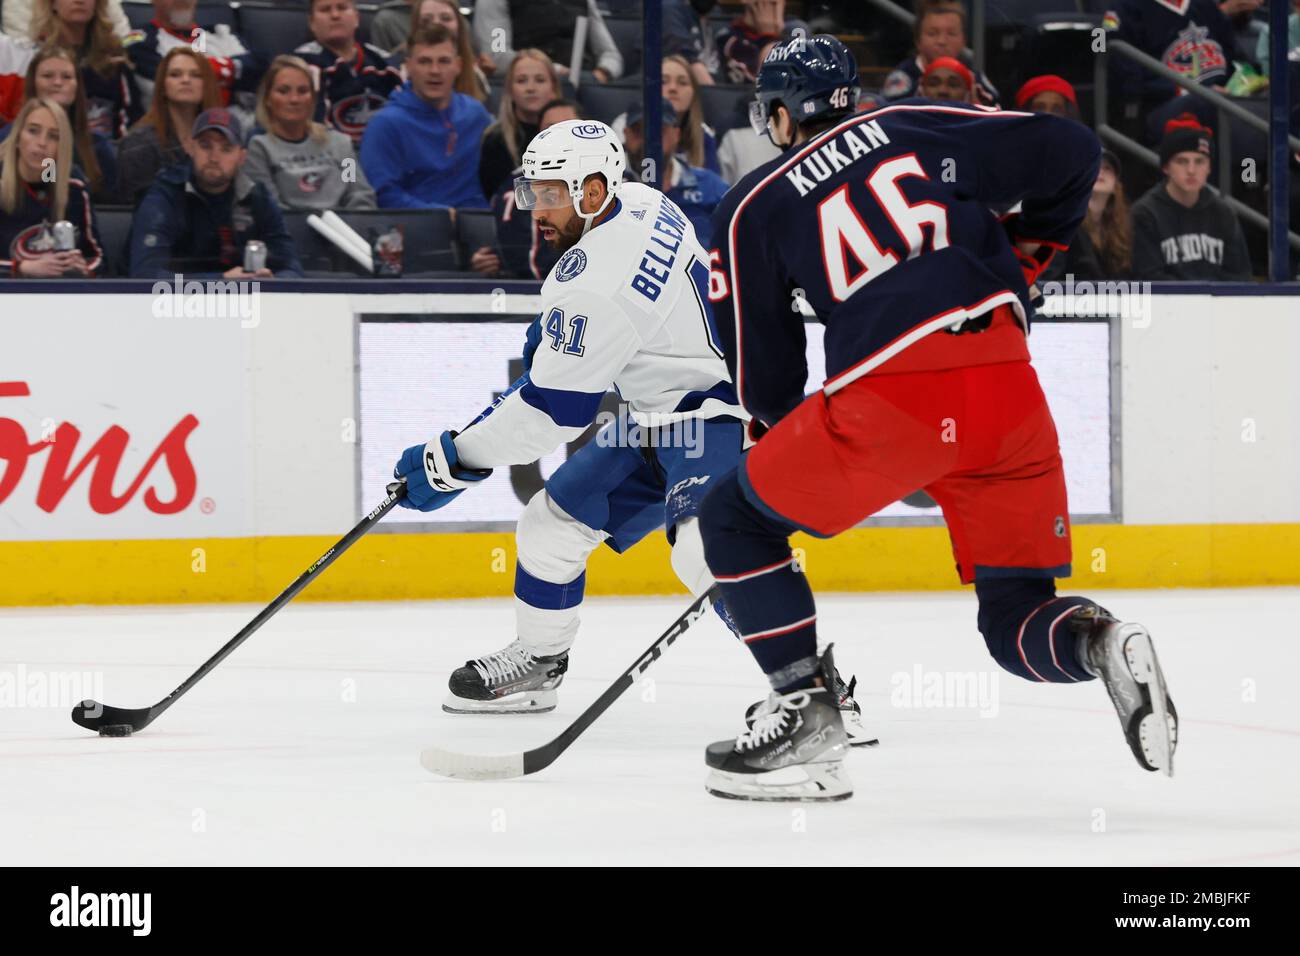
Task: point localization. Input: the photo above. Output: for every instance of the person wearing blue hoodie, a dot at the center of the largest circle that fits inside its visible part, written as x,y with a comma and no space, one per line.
421,151
198,216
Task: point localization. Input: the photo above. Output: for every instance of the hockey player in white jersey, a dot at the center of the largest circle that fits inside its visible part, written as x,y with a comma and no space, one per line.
626,305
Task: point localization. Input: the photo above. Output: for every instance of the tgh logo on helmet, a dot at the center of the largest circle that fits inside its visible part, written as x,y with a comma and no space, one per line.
590,130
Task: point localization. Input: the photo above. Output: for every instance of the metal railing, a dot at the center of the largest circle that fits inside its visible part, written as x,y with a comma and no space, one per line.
1224,106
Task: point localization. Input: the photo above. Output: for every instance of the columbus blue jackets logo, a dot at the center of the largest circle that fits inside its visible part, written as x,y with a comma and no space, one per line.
350,115
311,181
570,265
1196,55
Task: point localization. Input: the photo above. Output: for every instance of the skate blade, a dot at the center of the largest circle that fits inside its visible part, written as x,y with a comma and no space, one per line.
857,734
532,702
1157,731
803,783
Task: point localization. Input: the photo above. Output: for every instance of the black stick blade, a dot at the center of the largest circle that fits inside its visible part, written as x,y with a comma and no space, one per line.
95,716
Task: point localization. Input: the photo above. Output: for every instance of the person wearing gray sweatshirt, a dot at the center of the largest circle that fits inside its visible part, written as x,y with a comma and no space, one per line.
307,166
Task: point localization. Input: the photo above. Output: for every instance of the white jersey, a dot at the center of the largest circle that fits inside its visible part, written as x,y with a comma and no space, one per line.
628,306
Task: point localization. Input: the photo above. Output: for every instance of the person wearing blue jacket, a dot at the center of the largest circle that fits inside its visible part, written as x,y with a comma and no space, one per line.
421,151
198,216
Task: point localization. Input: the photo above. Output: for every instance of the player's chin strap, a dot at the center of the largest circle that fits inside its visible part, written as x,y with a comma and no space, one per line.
589,219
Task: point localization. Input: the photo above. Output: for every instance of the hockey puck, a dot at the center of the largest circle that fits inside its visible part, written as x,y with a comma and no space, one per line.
116,730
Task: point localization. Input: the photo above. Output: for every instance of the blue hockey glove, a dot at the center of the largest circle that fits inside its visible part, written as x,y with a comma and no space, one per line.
434,475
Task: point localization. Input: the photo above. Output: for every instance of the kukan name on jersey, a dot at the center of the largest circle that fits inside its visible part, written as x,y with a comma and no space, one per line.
649,279
828,159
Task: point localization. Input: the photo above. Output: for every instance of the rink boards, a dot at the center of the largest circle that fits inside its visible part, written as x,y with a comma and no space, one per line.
165,448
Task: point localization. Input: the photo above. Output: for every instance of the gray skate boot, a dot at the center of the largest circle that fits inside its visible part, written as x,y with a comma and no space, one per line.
511,681
850,711
1123,656
793,752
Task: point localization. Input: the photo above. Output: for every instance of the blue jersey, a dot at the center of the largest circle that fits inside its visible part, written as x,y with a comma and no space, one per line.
882,225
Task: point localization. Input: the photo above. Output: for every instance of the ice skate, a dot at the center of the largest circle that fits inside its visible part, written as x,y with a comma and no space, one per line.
511,681
793,751
850,712
1124,658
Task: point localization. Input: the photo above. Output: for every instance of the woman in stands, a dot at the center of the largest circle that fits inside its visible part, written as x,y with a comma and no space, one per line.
34,206
53,75
306,165
1103,246
699,142
531,83
472,80
186,87
86,26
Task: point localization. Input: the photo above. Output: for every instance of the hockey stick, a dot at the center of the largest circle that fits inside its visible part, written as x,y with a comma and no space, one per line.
119,722
446,763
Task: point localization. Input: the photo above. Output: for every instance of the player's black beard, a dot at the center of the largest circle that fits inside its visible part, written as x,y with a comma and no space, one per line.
566,238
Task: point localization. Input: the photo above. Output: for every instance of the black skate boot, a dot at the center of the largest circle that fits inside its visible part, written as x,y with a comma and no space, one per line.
511,681
850,711
793,752
1123,656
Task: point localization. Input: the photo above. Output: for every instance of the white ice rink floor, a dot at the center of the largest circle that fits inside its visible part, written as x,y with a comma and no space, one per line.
302,748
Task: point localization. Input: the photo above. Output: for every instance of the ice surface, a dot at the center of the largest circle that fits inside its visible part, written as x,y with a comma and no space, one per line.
303,747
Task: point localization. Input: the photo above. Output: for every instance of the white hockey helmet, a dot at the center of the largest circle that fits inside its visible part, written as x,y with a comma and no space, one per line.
570,152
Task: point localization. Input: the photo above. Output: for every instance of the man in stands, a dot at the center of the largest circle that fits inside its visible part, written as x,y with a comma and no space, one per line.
198,217
355,79
422,150
1182,231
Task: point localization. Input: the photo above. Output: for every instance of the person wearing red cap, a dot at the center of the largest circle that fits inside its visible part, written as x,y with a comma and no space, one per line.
1181,230
940,31
947,78
1048,94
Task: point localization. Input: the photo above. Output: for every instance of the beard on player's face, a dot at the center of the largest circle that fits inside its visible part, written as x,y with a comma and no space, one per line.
567,226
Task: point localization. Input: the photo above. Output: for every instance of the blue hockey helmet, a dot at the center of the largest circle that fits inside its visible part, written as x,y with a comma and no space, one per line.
812,77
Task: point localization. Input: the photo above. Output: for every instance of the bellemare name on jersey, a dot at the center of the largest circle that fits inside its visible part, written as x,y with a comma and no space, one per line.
828,159
665,239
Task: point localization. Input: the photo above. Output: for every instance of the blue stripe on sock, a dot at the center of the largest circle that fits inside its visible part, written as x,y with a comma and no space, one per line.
547,596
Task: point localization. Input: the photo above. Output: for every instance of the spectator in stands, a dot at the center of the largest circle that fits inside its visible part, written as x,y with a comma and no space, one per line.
32,202
18,14
1182,231
1048,94
355,78
112,97
740,45
521,252
15,57
1103,246
696,190
531,83
197,218
187,87
688,33
473,77
547,25
422,150
1193,38
53,75
307,165
237,70
940,30
698,141
946,78
391,25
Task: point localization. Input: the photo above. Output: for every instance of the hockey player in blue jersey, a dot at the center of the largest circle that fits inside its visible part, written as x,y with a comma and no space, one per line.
625,305
881,223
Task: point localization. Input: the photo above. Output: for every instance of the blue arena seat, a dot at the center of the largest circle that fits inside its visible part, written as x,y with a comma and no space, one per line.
627,37
273,29
722,106
114,226
475,228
